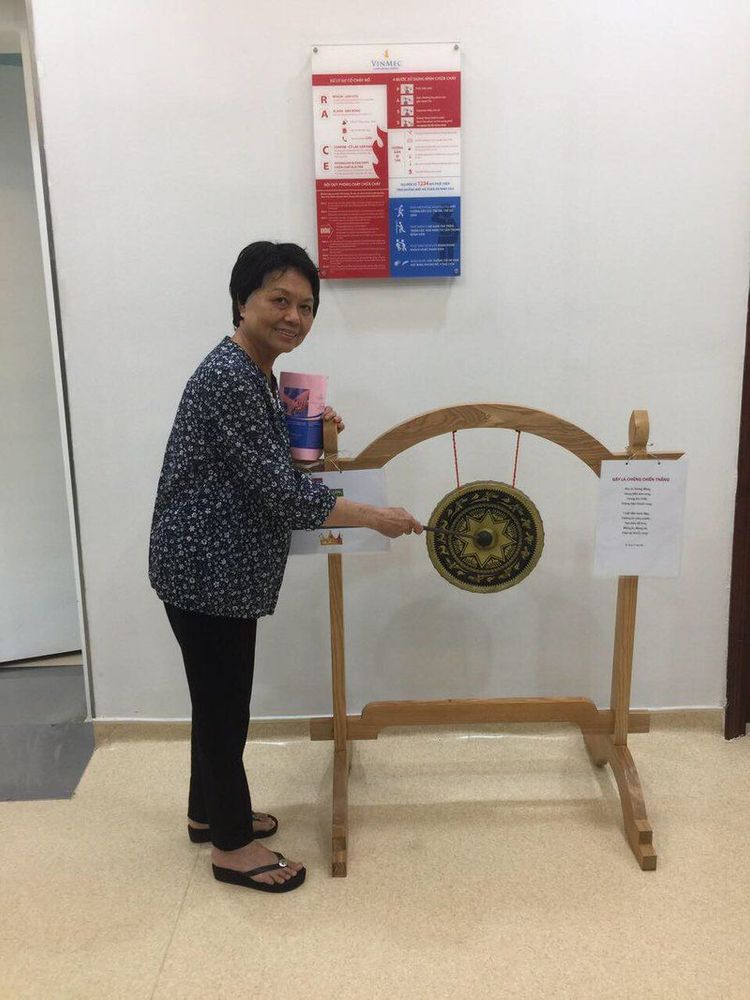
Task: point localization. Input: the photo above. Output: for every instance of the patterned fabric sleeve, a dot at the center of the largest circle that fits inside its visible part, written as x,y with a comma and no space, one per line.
251,437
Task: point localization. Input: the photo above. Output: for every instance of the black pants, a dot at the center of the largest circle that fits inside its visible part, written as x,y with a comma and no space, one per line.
219,655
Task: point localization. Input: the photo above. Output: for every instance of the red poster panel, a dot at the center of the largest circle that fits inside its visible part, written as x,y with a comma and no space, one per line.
353,229
424,100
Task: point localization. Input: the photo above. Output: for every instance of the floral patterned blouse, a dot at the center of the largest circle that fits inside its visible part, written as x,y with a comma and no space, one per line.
228,495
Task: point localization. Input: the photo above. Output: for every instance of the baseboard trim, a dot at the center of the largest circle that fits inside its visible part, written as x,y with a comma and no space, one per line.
296,727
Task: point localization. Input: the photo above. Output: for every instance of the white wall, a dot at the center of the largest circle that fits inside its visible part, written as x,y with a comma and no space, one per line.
38,610
605,268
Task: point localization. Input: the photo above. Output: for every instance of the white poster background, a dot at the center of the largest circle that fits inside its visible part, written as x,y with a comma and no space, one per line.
424,162
640,516
407,57
358,112
361,486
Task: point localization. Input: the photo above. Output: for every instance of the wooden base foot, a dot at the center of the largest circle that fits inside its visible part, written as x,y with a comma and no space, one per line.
637,827
341,766
603,750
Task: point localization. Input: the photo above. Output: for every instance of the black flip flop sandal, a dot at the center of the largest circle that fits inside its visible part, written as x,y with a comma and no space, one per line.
246,878
200,836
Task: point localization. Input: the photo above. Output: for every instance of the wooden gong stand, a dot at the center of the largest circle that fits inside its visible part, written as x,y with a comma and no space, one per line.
605,732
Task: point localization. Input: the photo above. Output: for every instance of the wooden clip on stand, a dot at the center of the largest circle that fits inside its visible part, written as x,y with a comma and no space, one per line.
605,732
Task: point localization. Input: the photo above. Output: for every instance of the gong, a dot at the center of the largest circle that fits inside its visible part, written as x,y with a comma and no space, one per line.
485,537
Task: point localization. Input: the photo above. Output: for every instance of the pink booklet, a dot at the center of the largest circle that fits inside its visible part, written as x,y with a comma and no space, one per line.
304,399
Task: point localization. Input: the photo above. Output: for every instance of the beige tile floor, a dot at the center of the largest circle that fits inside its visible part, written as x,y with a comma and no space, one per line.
488,862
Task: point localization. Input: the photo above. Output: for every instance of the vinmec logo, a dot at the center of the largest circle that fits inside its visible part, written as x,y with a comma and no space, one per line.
386,62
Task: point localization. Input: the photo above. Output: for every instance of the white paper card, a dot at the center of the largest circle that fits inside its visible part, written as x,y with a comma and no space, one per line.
362,486
639,521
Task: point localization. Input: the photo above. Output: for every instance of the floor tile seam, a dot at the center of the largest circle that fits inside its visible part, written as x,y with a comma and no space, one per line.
188,883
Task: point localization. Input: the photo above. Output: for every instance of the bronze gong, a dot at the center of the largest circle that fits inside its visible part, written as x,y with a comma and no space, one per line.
486,536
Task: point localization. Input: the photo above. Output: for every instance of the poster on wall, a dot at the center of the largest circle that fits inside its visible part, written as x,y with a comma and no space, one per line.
387,128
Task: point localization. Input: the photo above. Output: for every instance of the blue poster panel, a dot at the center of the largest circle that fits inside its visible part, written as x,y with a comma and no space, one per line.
425,237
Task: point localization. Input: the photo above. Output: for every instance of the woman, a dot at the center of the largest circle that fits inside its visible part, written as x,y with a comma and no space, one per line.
227,501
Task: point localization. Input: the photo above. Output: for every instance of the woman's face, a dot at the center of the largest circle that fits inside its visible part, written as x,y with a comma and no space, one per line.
277,316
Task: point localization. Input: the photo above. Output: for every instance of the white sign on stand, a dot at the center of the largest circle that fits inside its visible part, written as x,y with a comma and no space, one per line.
640,517
361,486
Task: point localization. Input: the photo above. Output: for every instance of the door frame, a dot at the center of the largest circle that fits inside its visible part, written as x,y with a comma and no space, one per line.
737,714
54,321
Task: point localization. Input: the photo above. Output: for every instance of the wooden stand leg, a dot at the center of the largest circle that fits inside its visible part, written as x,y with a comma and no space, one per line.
622,661
340,825
613,749
340,815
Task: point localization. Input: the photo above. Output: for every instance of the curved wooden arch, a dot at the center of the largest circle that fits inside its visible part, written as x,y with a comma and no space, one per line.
504,415
476,415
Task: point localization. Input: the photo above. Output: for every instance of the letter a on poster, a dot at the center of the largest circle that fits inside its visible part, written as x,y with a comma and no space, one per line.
388,160
640,517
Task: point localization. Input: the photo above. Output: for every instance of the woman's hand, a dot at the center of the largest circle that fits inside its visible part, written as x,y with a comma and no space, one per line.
389,521
330,414
394,521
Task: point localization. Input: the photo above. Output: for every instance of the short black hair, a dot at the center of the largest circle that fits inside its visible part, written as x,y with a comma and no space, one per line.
260,259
